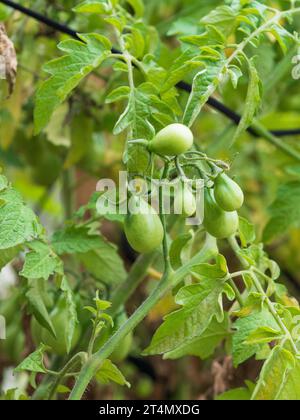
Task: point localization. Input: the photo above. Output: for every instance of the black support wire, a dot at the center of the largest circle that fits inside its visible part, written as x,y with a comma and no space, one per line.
212,102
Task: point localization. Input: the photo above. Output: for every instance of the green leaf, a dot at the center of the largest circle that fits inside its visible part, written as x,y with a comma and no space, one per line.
176,249
136,116
67,72
182,66
284,38
18,223
247,232
209,271
137,160
204,85
41,262
253,100
68,302
7,255
244,328
205,345
285,211
279,378
3,183
34,362
36,299
138,7
104,263
201,303
118,94
238,394
92,6
110,373
263,335
75,239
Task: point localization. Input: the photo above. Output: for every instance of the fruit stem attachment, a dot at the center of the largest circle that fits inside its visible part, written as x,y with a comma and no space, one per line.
139,142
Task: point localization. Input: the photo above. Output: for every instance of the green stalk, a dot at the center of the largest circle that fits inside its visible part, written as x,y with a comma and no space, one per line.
79,357
263,132
259,288
136,275
169,281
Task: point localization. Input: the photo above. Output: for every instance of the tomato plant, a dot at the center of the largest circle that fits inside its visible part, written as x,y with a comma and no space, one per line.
135,222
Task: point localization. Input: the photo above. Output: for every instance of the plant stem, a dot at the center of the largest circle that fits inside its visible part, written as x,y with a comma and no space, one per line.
263,132
238,295
79,357
259,288
136,275
163,221
169,281
68,195
274,313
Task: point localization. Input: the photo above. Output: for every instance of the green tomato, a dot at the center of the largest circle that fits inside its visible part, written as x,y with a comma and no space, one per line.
217,222
185,203
228,194
173,140
59,344
121,352
144,230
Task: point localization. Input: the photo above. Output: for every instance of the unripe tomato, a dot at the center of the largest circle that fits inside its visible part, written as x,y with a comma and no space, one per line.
217,222
144,230
173,140
185,202
228,194
121,352
59,318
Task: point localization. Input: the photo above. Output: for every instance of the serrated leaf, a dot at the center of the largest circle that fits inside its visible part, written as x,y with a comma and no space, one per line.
75,239
118,94
18,223
41,262
92,6
201,303
285,211
110,373
136,116
244,328
205,345
263,335
67,72
279,378
253,100
34,362
204,85
104,263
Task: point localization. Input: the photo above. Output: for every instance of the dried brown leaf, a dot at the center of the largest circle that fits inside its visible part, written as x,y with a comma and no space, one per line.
8,59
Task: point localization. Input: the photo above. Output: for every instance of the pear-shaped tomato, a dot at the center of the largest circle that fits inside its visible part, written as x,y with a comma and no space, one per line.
228,193
173,140
185,202
58,344
217,222
143,229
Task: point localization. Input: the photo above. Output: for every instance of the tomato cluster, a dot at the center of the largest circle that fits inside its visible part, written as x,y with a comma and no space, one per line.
220,206
144,229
